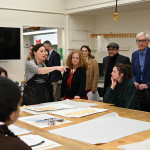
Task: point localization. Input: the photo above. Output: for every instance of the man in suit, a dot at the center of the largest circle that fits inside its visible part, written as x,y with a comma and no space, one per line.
141,70
55,76
109,62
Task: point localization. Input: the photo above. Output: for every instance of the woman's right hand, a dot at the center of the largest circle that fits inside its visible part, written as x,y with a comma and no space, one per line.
61,68
113,83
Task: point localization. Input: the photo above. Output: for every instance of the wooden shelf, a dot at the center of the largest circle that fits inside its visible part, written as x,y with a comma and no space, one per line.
116,35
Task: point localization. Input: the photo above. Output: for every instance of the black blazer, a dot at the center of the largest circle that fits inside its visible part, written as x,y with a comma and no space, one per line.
136,69
54,60
78,83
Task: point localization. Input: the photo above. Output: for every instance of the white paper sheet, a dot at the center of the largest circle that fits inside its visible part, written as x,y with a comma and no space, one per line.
78,112
78,104
53,106
144,145
18,130
33,112
48,107
42,120
103,129
93,96
36,139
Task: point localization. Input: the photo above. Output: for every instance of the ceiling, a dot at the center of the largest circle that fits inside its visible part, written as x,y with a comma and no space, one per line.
121,8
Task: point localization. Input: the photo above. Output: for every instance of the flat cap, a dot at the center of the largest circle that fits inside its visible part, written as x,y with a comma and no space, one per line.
114,45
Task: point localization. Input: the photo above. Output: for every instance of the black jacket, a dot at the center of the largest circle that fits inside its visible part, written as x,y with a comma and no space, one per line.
78,83
54,60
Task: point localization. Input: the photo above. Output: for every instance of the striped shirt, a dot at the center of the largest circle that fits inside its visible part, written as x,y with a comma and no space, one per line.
31,68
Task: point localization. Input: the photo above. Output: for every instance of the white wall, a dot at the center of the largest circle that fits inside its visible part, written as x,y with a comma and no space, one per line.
51,6
79,29
29,13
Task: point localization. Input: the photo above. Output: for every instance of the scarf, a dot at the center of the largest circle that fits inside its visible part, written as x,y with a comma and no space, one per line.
70,77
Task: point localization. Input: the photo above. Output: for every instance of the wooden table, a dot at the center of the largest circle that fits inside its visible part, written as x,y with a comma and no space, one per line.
69,144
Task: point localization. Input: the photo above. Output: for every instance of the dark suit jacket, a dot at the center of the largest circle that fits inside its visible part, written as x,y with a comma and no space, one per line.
136,68
54,60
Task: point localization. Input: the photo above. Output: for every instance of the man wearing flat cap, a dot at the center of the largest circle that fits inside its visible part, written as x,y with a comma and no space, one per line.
109,62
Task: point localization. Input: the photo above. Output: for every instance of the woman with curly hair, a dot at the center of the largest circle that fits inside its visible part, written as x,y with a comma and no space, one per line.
74,79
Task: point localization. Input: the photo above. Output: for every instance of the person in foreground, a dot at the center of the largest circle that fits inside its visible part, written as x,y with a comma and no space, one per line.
122,91
9,113
74,79
92,73
37,86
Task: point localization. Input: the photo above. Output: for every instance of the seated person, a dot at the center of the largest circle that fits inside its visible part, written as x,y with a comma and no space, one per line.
122,91
9,113
3,73
74,79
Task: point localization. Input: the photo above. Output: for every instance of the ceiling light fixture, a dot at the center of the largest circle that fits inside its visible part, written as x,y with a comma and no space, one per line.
116,13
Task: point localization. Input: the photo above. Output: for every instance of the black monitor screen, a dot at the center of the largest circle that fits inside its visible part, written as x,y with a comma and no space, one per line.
9,43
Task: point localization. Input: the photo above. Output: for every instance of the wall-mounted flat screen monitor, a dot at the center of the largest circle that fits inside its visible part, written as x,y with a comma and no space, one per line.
9,43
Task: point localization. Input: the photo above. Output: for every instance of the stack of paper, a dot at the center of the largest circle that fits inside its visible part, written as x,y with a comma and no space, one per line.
52,106
103,129
43,120
78,112
18,130
38,143
144,145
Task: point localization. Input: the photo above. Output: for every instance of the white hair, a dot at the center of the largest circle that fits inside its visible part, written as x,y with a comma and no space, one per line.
143,33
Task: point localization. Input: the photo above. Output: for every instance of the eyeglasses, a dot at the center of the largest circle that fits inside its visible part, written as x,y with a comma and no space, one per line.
111,50
141,41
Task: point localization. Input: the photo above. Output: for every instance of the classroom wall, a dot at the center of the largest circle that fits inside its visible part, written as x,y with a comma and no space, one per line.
29,13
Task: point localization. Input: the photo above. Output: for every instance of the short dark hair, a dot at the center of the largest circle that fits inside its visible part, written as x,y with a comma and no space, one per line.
3,70
114,45
9,98
47,42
